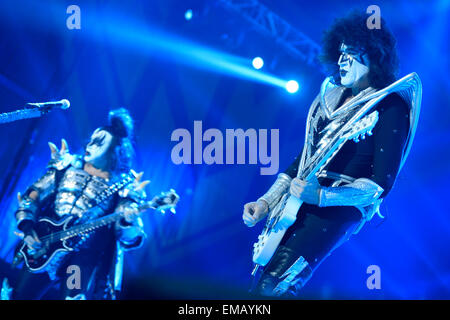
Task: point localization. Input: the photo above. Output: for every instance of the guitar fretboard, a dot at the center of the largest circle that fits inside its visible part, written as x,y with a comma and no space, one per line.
97,223
89,226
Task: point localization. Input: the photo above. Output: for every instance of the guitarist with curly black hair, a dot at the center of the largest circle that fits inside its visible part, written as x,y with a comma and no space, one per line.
336,185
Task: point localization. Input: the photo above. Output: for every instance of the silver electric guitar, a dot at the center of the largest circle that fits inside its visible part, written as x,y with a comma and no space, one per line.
284,214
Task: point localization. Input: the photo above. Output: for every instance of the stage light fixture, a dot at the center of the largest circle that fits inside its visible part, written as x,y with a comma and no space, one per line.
258,63
188,14
292,86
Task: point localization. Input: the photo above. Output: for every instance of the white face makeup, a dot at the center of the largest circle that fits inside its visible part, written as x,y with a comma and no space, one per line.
96,149
353,67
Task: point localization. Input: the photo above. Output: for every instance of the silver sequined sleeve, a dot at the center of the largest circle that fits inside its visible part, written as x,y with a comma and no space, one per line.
130,235
361,192
28,207
26,212
281,186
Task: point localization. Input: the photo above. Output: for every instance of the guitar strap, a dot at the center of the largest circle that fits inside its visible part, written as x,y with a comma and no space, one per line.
104,195
114,188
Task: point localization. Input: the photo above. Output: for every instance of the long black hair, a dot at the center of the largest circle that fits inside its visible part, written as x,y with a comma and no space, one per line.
379,44
121,151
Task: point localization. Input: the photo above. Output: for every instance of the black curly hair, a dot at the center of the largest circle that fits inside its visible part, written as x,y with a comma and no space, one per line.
379,44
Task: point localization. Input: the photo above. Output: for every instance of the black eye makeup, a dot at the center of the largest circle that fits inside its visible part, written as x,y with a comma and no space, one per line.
349,54
97,141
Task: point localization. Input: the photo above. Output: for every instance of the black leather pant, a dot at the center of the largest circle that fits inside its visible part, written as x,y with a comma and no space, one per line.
314,235
94,266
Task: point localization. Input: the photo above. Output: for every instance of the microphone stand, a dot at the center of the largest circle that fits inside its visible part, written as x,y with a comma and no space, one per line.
27,113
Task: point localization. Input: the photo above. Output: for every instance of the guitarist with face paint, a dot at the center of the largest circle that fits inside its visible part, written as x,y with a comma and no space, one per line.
83,188
336,184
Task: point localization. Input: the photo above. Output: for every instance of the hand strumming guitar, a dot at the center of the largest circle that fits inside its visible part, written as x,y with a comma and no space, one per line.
255,212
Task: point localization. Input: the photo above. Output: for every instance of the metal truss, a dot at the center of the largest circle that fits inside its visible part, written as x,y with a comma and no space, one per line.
267,22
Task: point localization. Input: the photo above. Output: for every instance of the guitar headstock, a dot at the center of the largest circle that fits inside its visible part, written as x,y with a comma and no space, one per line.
166,201
362,127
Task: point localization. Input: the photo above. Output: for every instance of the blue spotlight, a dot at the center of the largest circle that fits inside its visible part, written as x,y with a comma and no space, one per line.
138,36
258,63
188,14
292,86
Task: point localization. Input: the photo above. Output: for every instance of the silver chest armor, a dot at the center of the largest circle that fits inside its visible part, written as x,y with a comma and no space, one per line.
77,192
324,118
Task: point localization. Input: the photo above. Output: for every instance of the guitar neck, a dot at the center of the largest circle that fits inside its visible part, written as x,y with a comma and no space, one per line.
358,124
90,226
320,159
325,156
100,222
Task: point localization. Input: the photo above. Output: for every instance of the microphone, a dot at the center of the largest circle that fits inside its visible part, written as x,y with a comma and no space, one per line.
62,104
34,110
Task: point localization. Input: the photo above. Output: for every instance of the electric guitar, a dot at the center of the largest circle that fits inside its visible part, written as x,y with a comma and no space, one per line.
284,214
58,238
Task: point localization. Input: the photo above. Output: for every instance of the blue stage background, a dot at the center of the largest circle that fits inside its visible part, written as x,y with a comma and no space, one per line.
204,251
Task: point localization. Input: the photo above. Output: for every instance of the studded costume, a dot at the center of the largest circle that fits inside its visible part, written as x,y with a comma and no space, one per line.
66,189
82,189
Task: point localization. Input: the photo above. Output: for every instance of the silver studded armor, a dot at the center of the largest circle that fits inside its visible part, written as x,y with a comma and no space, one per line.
77,192
362,193
72,191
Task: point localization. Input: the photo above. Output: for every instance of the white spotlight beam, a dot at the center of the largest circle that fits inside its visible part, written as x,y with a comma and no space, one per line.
267,22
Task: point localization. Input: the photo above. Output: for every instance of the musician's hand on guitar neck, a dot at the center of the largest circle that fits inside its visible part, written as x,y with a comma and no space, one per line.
131,212
32,241
254,212
307,191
